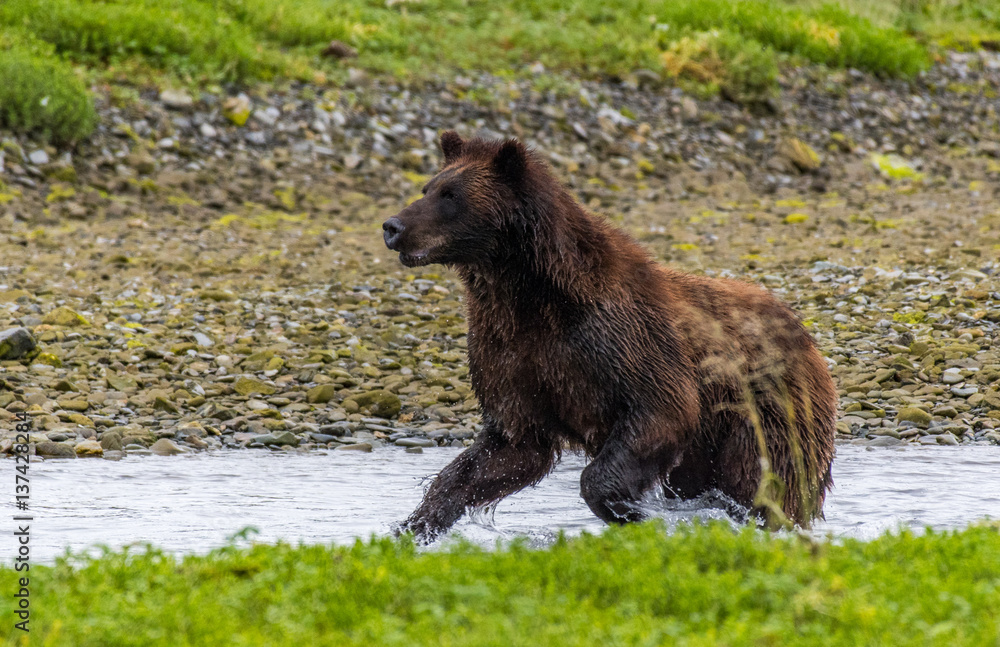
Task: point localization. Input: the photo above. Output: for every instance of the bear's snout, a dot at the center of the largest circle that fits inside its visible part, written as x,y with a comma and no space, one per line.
392,229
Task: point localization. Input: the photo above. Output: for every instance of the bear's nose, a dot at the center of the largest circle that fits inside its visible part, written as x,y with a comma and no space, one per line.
392,229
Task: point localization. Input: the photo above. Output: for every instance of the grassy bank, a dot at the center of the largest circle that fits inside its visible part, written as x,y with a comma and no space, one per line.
728,46
629,586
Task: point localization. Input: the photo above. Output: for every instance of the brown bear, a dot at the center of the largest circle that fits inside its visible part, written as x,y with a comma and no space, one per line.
578,338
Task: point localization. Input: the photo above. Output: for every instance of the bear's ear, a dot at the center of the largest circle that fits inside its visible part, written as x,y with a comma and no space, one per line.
511,162
451,146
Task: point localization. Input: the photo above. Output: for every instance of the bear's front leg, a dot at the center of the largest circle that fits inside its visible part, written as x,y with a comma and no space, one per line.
491,469
625,469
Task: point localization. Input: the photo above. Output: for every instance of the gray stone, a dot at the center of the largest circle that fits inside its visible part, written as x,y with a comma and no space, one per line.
886,441
416,442
54,450
15,343
176,99
358,447
38,157
166,447
279,438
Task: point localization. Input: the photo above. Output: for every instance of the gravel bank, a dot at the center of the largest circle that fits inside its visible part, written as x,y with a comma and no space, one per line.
208,271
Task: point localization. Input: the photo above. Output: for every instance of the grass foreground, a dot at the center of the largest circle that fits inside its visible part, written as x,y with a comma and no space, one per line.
732,47
701,585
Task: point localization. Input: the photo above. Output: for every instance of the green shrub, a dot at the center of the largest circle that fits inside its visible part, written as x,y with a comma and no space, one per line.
634,585
43,97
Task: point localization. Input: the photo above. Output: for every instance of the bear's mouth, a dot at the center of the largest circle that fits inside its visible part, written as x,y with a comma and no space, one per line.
416,259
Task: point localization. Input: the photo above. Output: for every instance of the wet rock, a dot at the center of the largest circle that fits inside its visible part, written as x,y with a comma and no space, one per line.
15,343
914,415
111,440
54,450
166,447
89,448
280,438
416,442
381,403
886,441
358,447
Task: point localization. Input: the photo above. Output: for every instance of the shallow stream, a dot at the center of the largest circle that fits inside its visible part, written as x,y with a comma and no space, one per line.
193,503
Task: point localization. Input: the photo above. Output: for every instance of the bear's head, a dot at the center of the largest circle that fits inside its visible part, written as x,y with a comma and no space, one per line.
466,208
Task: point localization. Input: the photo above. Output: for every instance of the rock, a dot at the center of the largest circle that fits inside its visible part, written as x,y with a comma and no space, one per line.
141,161
54,450
382,403
337,49
946,411
946,439
884,375
800,154
162,404
971,275
176,99
38,157
964,392
15,343
63,316
358,447
237,109
89,448
279,438
689,108
249,386
13,296
952,376
111,440
66,386
321,393
217,295
166,447
416,442
203,340
323,438
885,441
914,415
123,383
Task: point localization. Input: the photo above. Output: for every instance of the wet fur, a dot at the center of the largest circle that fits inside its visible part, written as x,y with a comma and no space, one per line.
577,337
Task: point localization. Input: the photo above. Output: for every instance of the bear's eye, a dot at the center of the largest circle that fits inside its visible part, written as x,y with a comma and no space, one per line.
447,194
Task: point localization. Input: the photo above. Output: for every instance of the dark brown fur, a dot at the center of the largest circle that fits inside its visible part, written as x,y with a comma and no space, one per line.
576,336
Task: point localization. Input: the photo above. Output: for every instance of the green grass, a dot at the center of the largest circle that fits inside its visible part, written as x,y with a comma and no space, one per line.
703,585
733,47
242,40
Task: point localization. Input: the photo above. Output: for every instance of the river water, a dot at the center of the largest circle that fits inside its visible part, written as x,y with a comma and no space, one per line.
193,503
